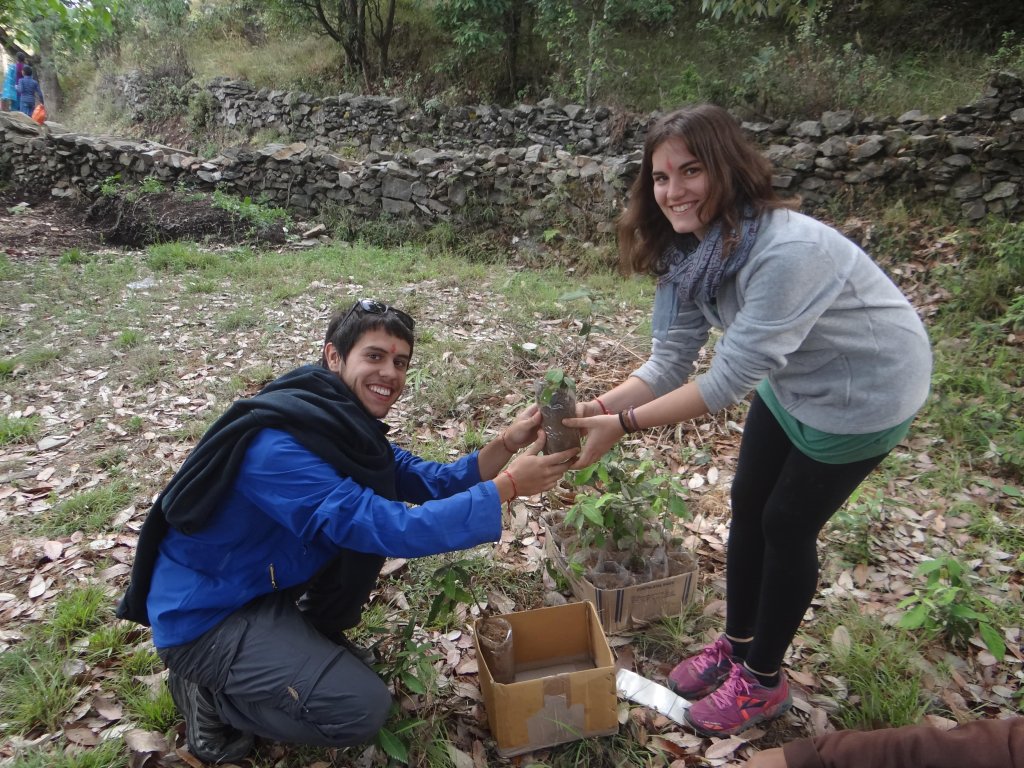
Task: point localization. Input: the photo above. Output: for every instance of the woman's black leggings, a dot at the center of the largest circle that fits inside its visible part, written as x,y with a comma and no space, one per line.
781,499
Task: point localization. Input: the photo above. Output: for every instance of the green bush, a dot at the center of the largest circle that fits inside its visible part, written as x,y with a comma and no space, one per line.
809,76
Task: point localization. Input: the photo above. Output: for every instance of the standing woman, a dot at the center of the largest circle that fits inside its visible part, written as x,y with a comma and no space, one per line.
836,356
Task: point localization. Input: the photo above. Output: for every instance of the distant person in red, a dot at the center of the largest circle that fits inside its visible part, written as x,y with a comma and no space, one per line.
29,92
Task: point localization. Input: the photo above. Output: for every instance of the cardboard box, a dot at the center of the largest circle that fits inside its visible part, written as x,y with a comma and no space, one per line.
624,609
564,687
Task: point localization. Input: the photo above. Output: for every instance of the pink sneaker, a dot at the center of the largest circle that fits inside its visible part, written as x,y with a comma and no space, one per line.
697,676
739,703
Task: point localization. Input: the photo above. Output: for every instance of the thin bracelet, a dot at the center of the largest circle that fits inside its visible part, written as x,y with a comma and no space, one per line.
622,422
504,444
515,490
604,410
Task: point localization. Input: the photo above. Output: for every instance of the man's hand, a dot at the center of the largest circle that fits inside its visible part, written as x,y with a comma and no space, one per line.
602,432
523,430
533,473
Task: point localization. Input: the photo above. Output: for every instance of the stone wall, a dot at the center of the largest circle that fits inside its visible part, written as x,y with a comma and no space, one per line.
488,164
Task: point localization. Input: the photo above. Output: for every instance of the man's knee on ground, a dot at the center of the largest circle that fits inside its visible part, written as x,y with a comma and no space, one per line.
363,726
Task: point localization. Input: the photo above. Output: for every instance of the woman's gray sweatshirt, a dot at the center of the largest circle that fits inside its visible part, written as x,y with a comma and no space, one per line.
843,349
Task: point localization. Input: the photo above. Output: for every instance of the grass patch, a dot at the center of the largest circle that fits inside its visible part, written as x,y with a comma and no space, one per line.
878,671
112,458
18,430
146,365
108,641
74,256
240,319
107,754
179,257
128,339
76,613
152,708
90,511
32,359
35,691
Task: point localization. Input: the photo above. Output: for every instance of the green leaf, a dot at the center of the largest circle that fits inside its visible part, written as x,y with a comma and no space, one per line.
915,618
393,746
677,506
412,682
554,376
436,608
993,640
593,514
928,566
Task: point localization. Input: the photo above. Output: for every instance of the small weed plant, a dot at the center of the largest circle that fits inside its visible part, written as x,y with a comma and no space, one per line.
259,214
951,606
410,670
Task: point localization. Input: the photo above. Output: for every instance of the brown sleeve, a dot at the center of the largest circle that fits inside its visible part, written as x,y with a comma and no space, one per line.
979,744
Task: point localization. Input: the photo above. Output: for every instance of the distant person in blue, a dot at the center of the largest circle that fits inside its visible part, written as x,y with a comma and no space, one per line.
262,550
9,96
29,92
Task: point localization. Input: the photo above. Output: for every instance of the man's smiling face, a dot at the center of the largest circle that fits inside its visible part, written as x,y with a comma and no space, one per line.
374,370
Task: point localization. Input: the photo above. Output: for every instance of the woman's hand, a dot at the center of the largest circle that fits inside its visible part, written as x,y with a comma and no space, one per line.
602,433
533,473
589,408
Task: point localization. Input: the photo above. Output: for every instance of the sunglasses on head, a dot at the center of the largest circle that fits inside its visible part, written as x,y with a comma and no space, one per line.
374,307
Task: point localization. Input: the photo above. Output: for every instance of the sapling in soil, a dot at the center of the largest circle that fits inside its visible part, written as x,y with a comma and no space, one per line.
556,398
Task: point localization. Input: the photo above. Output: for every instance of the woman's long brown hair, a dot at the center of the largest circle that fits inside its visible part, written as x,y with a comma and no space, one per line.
738,177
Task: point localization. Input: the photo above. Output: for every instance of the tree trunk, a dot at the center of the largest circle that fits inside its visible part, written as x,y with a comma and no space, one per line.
53,95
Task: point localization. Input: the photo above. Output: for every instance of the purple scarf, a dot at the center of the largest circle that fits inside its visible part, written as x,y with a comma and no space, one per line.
698,272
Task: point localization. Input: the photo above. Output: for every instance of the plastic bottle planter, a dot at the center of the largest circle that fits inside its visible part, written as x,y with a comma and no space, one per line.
556,398
495,634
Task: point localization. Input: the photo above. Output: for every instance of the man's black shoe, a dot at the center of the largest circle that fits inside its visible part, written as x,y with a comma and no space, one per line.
209,739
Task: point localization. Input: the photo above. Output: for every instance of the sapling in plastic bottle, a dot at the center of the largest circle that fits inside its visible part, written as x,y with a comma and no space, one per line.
556,398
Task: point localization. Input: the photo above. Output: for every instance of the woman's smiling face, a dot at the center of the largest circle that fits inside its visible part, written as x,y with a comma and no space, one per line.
374,370
680,187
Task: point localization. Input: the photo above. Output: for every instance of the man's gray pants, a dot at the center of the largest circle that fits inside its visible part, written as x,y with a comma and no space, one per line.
275,671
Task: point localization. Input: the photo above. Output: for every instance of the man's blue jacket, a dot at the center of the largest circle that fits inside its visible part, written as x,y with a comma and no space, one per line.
289,513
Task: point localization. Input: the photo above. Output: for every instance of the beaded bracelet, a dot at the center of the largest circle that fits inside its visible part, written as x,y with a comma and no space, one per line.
632,420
